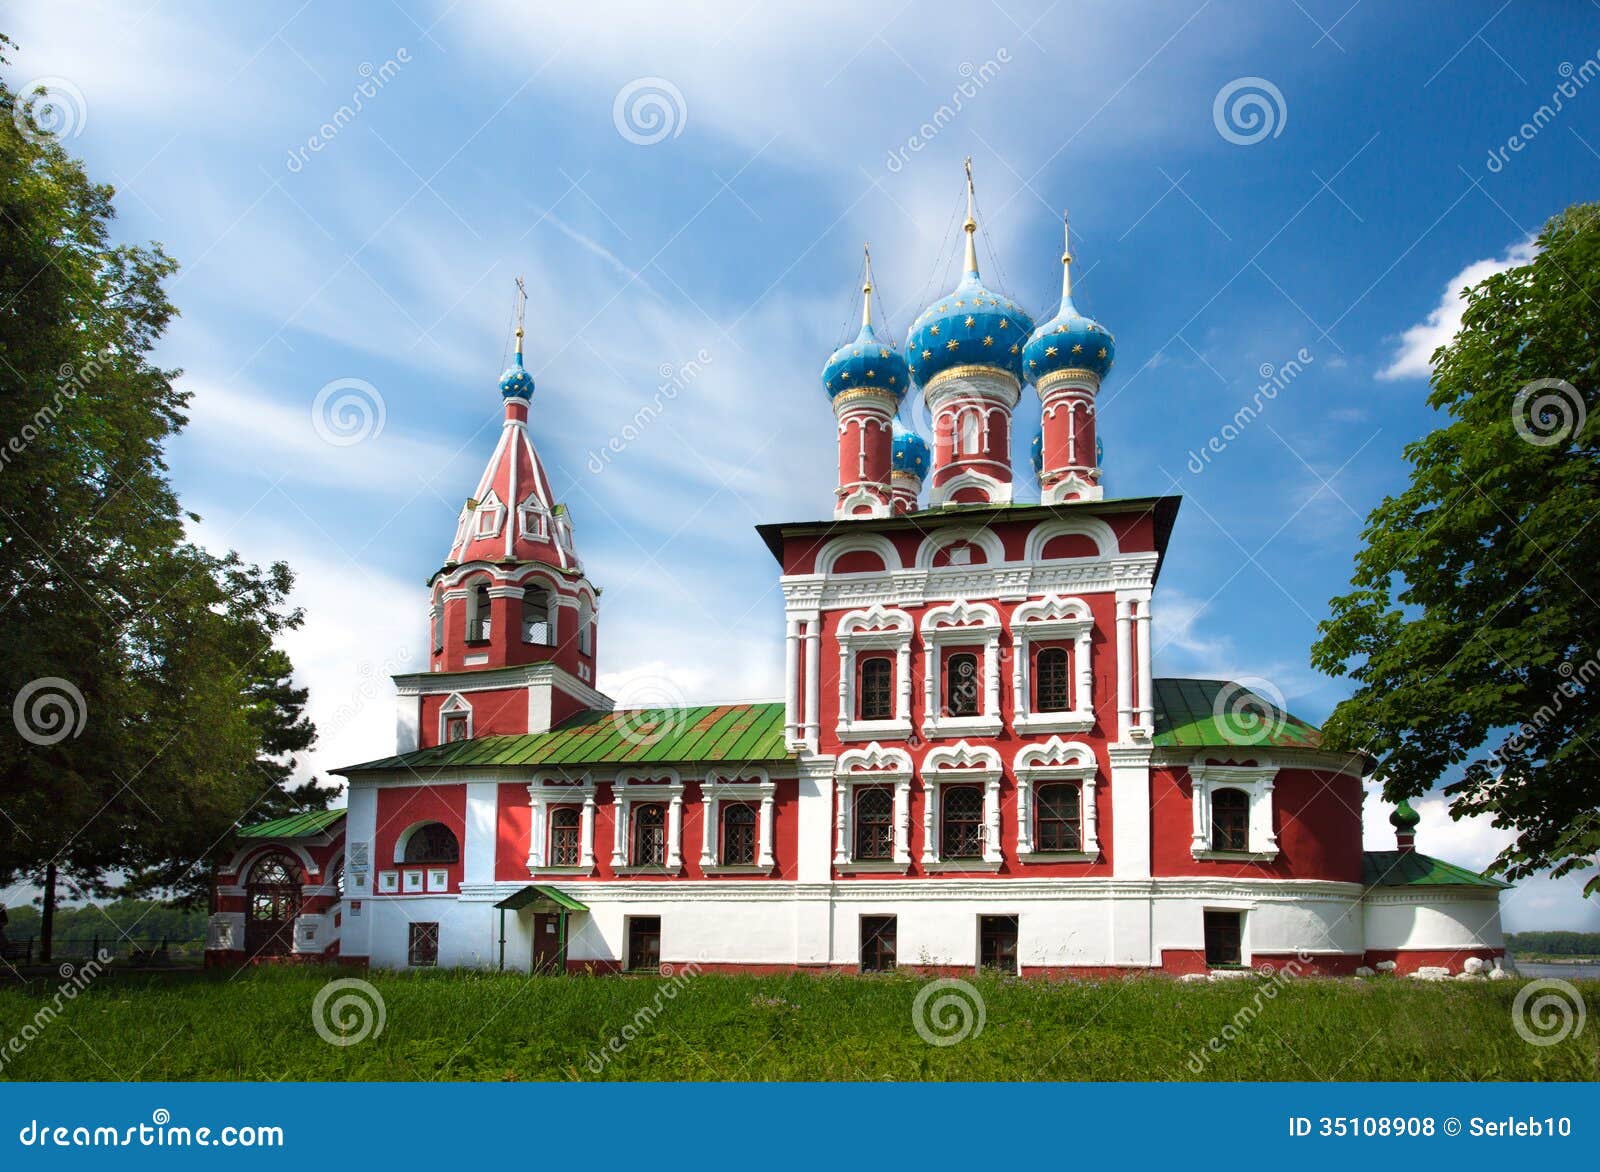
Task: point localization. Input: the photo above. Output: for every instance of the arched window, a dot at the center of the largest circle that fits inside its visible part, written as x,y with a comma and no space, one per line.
650,836
1056,818
874,823
961,824
478,614
565,828
272,894
874,700
536,616
1230,820
432,842
1051,680
535,521
436,617
961,684
971,422
738,836
585,627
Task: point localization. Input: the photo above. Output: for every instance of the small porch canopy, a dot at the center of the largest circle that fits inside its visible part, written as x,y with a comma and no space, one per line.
540,898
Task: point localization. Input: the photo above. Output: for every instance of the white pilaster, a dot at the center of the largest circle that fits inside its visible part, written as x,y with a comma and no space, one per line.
1146,683
1124,667
791,682
813,679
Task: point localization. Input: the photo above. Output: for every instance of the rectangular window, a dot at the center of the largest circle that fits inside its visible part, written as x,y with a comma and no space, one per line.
566,825
997,943
644,944
874,823
961,684
455,728
1224,935
738,836
961,822
650,836
1056,818
1050,669
876,700
877,944
423,949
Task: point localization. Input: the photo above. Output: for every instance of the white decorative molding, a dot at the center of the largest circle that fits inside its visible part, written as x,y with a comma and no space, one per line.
871,764
1057,760
954,765
1103,536
985,539
961,622
996,491
549,790
1256,782
660,785
746,785
878,504
858,543
455,705
876,628
1048,618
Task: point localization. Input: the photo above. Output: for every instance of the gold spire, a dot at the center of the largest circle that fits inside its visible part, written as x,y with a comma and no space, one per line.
971,226
522,300
866,290
1066,258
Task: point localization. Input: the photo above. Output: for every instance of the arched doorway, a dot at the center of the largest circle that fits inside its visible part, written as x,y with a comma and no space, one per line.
272,897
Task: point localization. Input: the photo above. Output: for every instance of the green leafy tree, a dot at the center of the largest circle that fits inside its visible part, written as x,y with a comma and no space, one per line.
139,670
1473,625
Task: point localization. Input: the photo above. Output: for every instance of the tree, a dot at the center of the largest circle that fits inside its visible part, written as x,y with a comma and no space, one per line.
138,669
1473,626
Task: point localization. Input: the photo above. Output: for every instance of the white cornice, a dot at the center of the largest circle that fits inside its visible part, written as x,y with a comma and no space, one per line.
431,683
808,593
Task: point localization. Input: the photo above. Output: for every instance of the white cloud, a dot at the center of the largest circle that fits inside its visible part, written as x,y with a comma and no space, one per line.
1414,356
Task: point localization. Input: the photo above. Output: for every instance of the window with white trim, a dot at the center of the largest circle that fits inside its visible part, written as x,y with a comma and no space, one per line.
874,674
478,613
872,833
1052,684
533,518
961,669
737,814
1056,819
961,810
649,823
491,515
455,719
585,627
537,628
1232,811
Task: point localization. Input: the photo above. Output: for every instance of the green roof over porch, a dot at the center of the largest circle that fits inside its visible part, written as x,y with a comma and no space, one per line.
535,893
306,825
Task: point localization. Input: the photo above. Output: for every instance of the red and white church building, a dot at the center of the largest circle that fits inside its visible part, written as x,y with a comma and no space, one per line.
973,763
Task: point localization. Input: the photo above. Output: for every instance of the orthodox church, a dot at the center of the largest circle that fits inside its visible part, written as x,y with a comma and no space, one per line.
972,765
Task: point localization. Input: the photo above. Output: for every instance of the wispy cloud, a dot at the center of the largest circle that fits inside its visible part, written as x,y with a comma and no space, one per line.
1413,357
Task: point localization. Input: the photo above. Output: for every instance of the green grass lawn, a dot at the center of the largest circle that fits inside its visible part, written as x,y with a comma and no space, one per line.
451,1025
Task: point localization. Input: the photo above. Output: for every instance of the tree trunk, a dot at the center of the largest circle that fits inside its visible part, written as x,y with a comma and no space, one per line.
47,920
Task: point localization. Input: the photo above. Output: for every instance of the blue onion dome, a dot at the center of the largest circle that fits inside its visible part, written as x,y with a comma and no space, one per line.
517,383
1069,340
909,453
868,362
970,326
1036,454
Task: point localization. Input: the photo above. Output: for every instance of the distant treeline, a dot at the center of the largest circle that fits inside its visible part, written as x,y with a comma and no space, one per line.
142,921
1554,943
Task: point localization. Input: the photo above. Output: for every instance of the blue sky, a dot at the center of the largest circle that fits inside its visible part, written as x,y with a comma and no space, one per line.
490,143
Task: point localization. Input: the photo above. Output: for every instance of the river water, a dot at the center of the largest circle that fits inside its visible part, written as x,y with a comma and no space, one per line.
1584,971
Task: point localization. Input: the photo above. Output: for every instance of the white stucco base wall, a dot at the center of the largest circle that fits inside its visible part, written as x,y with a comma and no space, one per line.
1444,922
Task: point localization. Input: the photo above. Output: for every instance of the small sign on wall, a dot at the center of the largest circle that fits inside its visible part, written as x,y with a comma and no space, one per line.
438,879
355,907
358,854
389,881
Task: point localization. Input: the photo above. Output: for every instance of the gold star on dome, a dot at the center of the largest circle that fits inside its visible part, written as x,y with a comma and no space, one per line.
959,304
934,330
1032,364
845,375
988,340
927,353
883,354
951,344
871,373
1102,352
892,380
1077,348
1049,351
1015,347
969,321
1061,329
1005,324
856,353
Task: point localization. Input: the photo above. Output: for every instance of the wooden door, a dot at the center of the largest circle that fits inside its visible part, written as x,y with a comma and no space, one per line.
547,942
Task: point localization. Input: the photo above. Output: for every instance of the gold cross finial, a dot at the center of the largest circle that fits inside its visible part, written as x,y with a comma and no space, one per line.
1066,257
971,226
522,301
866,289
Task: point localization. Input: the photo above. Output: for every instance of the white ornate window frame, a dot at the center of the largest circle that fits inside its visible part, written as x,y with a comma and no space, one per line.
871,765
748,785
1049,618
1057,760
455,704
550,790
878,628
629,789
533,518
489,518
969,623
1257,783
960,764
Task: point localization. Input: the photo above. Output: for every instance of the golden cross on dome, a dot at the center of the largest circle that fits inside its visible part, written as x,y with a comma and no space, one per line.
866,289
522,301
971,225
1066,258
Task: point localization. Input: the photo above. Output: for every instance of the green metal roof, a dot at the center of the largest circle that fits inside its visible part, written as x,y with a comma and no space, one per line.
715,732
1223,714
1410,869
306,825
535,893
